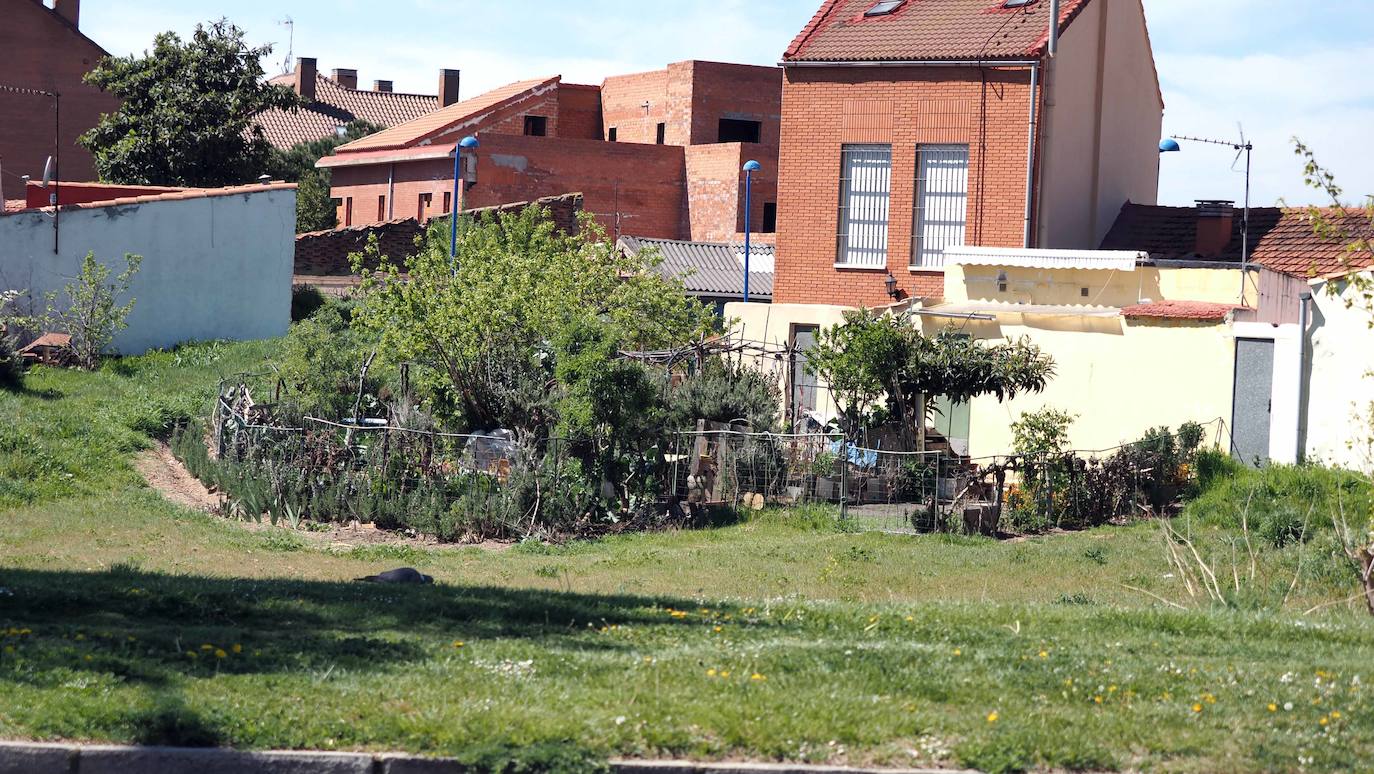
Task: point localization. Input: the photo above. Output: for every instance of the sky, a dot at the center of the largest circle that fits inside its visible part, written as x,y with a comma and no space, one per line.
1278,68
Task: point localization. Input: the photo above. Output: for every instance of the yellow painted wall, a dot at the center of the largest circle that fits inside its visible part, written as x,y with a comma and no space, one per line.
1105,288
772,323
1120,377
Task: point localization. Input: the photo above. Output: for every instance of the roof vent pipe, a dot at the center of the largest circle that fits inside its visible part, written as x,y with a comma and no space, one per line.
1054,27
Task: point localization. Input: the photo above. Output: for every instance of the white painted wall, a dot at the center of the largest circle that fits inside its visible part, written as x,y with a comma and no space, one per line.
1341,380
216,267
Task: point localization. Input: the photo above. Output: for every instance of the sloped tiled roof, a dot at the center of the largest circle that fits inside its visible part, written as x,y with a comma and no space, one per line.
1281,239
927,30
335,106
427,126
708,268
1202,311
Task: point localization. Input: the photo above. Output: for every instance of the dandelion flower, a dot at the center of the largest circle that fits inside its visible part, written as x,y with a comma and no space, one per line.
237,648
207,647
711,673
756,677
1335,714
80,637
718,629
190,654
457,643
219,653
1273,707
1323,721
1288,706
1044,654
993,716
909,619
1197,708
724,673
1097,699
88,657
958,652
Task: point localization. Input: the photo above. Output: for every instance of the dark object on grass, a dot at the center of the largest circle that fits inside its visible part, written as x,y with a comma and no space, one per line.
400,575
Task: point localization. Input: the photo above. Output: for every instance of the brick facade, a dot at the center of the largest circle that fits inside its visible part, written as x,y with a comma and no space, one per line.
688,186
325,253
44,50
825,108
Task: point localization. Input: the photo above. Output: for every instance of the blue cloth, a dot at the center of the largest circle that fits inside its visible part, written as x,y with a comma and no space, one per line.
864,458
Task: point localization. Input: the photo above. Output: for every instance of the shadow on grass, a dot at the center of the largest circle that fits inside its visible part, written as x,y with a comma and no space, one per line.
152,629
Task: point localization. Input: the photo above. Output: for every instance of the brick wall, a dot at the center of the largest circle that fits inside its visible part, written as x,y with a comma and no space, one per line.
622,107
824,108
744,92
715,190
579,111
40,50
325,253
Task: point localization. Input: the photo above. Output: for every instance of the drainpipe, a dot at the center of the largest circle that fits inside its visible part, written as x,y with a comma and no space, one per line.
391,192
1030,149
1304,316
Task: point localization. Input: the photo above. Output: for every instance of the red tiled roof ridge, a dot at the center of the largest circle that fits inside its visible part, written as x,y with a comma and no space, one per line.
419,130
934,30
1181,310
175,195
804,37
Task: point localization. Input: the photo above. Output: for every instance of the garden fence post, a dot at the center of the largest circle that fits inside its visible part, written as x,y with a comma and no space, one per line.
844,478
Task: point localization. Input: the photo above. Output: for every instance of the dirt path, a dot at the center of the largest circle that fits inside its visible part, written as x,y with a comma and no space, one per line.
167,476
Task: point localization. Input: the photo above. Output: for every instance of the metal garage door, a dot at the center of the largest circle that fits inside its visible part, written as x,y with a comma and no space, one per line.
1252,400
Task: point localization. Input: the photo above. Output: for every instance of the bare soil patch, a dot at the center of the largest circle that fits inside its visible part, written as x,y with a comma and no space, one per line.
166,475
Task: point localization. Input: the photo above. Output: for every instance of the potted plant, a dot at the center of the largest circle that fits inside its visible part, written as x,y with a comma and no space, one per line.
823,468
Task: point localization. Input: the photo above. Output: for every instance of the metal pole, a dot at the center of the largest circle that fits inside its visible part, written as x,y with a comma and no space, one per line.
453,211
1245,229
748,185
1030,152
56,166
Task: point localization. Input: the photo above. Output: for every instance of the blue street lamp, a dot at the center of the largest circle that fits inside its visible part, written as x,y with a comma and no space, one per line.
1170,145
750,167
467,143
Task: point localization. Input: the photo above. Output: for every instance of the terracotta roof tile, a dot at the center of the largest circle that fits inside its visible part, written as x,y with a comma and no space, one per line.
14,205
927,30
180,194
1281,239
430,125
335,106
1180,310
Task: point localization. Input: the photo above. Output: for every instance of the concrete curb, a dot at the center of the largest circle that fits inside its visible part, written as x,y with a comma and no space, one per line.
38,758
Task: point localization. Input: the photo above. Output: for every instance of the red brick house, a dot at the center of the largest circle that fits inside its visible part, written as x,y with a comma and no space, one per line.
44,49
654,154
335,100
912,125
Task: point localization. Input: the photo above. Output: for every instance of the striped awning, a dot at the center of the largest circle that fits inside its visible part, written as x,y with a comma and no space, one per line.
1116,260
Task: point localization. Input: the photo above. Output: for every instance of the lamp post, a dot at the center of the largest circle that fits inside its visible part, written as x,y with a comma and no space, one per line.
467,143
750,167
1170,145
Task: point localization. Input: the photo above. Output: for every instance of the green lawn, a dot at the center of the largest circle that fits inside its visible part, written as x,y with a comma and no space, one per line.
127,619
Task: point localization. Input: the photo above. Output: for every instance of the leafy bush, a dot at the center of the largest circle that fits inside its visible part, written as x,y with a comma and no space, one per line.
726,392
90,313
11,366
1042,432
321,363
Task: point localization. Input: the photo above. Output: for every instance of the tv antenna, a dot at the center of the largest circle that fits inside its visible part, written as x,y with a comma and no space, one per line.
290,25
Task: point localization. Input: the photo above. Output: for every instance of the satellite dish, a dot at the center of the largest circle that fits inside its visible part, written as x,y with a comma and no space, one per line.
47,172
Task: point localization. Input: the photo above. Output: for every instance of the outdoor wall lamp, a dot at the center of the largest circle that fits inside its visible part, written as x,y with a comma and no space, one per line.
891,283
467,143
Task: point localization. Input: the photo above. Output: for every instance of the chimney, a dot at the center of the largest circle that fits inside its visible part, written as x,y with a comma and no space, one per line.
381,85
305,77
448,87
346,78
1215,218
69,10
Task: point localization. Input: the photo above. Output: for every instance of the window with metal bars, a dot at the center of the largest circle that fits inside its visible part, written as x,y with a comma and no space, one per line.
941,203
865,188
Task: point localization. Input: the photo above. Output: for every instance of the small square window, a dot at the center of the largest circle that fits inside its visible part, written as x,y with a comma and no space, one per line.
662,133
536,126
610,134
1083,292
885,7
770,217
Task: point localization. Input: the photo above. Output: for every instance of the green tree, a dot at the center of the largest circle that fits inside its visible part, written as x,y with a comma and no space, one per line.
315,209
487,328
881,366
1350,225
187,112
90,313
